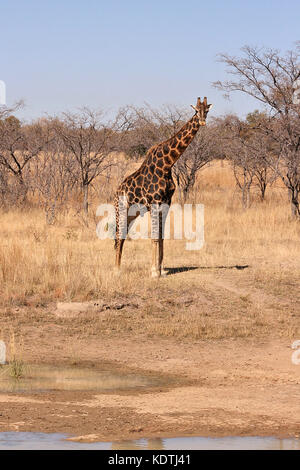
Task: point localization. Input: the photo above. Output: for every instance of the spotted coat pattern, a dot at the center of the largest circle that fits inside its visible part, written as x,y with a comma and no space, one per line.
152,183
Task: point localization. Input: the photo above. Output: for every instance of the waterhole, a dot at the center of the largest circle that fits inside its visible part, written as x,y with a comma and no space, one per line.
31,441
20,378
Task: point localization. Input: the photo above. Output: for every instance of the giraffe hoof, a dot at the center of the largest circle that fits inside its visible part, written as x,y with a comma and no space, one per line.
154,273
117,271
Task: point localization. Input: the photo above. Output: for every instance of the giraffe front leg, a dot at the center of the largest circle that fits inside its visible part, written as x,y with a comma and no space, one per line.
163,272
156,269
156,237
162,221
157,221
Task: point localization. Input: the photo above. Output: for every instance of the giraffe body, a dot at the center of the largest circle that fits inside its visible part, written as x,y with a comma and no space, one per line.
152,184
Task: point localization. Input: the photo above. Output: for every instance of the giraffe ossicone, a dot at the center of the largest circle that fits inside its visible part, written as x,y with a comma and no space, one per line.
152,185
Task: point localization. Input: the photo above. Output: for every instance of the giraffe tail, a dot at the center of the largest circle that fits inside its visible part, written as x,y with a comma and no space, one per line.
116,235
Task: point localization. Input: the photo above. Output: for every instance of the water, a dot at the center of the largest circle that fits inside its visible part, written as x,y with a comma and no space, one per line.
42,441
47,378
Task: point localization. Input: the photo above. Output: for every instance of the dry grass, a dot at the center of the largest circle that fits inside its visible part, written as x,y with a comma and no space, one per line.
40,264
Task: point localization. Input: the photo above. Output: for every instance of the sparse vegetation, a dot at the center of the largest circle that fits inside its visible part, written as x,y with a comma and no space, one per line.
243,283
16,368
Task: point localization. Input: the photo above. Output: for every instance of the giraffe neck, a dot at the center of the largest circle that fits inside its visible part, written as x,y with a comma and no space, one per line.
174,147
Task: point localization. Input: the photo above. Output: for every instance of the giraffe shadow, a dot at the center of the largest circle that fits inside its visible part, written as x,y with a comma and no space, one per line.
183,269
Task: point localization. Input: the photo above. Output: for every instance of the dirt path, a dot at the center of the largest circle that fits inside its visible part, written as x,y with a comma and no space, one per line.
238,379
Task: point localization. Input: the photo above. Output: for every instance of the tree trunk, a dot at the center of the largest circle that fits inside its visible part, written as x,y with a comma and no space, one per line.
294,200
85,199
246,196
263,188
21,189
179,188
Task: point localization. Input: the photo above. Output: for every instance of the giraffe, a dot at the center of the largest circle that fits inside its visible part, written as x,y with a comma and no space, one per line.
152,184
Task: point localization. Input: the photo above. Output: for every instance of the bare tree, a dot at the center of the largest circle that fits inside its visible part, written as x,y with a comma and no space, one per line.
237,150
249,151
53,176
243,173
269,78
6,111
88,142
201,151
142,127
262,151
5,197
19,144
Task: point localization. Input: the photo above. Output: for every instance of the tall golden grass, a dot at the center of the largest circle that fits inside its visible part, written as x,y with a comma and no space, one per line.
67,262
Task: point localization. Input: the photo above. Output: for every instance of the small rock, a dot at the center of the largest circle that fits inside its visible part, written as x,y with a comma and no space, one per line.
71,309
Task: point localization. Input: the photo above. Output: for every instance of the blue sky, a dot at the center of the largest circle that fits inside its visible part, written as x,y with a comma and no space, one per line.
61,55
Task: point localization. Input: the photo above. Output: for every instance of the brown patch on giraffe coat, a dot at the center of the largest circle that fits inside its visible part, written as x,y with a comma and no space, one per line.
181,147
140,180
174,154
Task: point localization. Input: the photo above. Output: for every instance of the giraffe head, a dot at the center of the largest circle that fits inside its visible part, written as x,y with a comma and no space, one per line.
202,109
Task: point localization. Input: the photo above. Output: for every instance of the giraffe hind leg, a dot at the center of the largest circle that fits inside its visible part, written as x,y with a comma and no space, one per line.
119,248
119,242
120,238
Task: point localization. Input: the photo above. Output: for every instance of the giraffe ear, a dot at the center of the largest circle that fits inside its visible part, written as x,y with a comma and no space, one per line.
209,106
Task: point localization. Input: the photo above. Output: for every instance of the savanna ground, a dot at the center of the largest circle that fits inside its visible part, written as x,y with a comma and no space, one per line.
218,329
